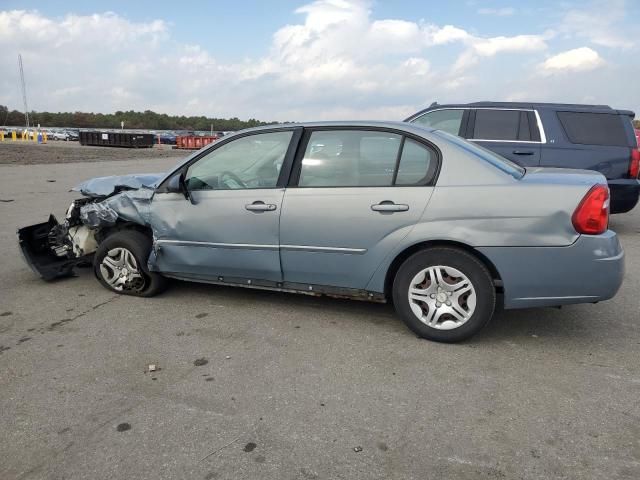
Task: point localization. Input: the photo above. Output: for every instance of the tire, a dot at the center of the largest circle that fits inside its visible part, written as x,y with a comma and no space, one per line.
453,304
126,271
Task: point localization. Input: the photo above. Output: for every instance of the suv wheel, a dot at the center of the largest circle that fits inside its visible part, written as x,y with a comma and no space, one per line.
120,264
444,294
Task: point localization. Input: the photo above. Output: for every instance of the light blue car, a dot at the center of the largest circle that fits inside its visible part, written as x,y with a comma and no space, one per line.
381,211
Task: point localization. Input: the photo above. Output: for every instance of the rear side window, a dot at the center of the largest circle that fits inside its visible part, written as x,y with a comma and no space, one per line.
593,128
348,158
416,163
353,158
496,125
446,120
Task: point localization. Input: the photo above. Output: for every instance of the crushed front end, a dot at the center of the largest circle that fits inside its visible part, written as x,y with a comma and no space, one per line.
52,249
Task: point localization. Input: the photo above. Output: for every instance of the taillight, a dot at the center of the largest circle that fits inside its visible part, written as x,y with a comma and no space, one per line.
592,215
634,166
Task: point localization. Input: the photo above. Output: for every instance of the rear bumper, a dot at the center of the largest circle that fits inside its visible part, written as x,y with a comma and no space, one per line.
625,193
590,270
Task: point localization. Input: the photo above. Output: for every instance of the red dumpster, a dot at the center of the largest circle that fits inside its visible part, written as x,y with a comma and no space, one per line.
192,142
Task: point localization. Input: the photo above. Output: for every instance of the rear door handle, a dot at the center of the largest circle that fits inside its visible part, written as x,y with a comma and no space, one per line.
259,206
523,152
389,206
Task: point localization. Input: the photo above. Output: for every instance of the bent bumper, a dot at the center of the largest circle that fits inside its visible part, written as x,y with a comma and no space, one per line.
624,194
590,270
33,242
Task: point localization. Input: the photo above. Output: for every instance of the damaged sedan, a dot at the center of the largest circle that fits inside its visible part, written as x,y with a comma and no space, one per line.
380,211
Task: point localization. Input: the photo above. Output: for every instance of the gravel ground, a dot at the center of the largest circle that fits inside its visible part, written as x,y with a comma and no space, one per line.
260,385
31,153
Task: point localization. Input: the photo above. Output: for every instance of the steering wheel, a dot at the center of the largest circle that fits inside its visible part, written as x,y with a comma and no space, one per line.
233,177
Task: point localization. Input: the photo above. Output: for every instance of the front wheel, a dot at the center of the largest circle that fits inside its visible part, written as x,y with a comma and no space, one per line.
444,294
120,264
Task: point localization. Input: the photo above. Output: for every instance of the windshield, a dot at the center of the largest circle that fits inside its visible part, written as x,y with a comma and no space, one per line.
501,163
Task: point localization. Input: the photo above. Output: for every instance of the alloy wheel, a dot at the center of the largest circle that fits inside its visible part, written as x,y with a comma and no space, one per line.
119,269
442,297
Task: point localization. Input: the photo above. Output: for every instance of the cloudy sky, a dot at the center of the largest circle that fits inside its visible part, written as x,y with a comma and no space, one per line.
323,59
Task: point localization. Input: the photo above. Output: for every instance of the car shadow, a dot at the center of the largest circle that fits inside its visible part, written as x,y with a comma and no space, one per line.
509,325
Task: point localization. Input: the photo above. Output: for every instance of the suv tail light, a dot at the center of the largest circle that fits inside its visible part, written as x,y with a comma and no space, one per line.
592,215
634,166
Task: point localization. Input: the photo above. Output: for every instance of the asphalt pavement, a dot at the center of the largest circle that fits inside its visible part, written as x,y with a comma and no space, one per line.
262,385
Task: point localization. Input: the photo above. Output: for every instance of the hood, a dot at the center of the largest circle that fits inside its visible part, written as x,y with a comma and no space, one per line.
106,186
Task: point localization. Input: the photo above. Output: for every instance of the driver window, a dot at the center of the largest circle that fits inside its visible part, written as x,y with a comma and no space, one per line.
253,161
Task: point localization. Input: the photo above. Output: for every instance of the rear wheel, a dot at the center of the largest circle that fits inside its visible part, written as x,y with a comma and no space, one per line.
120,264
444,294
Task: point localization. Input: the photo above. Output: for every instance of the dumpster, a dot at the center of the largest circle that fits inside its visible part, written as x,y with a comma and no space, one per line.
116,139
194,142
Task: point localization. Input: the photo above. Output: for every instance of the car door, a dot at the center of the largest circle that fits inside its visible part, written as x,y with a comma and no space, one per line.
511,133
229,225
354,195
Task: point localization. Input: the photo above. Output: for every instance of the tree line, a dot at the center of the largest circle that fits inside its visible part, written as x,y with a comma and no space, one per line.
144,120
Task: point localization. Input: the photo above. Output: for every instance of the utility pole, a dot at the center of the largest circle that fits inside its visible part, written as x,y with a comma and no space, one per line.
24,90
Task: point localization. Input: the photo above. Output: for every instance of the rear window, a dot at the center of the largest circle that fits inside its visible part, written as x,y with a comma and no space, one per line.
593,128
501,163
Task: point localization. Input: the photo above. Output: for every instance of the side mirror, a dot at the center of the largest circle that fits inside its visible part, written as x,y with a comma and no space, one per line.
175,185
178,184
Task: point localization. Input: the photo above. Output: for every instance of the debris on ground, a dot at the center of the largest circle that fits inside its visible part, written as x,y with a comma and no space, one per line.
198,362
250,447
357,449
123,427
152,367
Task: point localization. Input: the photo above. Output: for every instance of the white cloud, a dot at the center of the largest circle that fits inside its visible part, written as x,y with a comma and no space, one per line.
577,60
337,61
498,12
600,23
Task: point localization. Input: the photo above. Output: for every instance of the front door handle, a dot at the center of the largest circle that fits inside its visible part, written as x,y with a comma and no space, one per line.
259,206
523,152
389,206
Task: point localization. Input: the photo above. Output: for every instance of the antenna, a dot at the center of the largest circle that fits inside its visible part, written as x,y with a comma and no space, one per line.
24,90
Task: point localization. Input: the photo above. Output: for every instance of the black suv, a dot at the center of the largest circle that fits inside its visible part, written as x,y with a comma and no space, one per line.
590,137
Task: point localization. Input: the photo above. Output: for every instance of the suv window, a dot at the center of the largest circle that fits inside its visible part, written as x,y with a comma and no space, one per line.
496,125
354,158
447,120
593,128
253,161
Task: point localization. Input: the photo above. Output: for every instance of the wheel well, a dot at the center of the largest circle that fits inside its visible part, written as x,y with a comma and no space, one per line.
402,256
120,226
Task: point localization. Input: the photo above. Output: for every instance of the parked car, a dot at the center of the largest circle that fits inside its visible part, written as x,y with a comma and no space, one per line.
591,137
637,136
72,135
59,135
370,210
167,138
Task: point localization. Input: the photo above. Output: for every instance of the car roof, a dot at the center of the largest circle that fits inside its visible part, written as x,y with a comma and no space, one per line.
363,124
528,105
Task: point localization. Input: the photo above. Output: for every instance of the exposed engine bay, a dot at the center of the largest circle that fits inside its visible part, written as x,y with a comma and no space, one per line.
52,249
